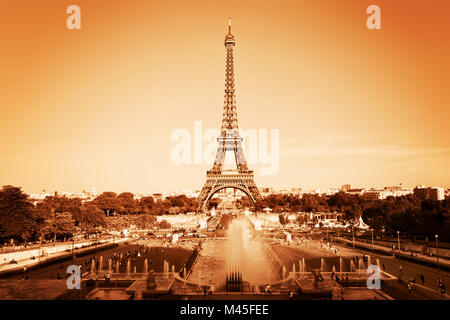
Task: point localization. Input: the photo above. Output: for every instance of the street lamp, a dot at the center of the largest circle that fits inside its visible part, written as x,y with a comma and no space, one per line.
353,234
73,248
437,252
398,240
39,252
373,249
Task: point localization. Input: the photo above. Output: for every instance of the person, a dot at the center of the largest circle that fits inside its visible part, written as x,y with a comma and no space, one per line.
409,286
291,295
320,277
384,267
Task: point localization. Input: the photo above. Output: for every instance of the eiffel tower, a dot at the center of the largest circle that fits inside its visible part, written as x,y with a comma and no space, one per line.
229,140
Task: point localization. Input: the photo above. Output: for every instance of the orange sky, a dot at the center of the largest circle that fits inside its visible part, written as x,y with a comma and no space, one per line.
98,105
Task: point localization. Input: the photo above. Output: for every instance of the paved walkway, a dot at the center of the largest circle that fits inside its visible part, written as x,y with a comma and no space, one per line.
389,251
409,270
7,267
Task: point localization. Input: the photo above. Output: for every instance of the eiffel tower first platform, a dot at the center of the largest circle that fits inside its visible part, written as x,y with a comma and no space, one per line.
229,140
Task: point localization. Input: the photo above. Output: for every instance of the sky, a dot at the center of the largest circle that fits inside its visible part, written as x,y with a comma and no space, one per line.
99,105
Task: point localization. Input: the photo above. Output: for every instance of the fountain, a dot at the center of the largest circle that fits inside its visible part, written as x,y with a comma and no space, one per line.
100,264
184,273
341,265
293,269
322,264
128,267
134,269
93,266
117,267
300,268
303,265
284,272
361,264
333,269
352,266
377,262
233,282
145,271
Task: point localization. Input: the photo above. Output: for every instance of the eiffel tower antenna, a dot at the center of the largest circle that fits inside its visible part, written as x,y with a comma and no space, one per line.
229,140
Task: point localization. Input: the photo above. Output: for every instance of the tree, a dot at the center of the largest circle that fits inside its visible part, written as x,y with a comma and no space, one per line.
146,204
164,225
60,225
52,204
143,221
128,203
108,202
282,219
91,217
17,218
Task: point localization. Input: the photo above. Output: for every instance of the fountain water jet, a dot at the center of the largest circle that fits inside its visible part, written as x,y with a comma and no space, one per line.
128,267
360,264
341,265
93,266
100,267
322,264
117,267
377,262
145,271
352,266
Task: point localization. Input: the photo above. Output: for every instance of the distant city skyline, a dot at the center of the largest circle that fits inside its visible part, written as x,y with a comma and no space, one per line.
99,105
188,190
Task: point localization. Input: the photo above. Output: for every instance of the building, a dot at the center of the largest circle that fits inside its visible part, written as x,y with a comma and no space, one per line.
358,191
373,195
429,193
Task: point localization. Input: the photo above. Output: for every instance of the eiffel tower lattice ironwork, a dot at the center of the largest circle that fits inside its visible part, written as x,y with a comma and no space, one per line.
229,140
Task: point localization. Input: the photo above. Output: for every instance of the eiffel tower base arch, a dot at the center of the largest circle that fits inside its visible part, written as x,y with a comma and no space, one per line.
219,181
